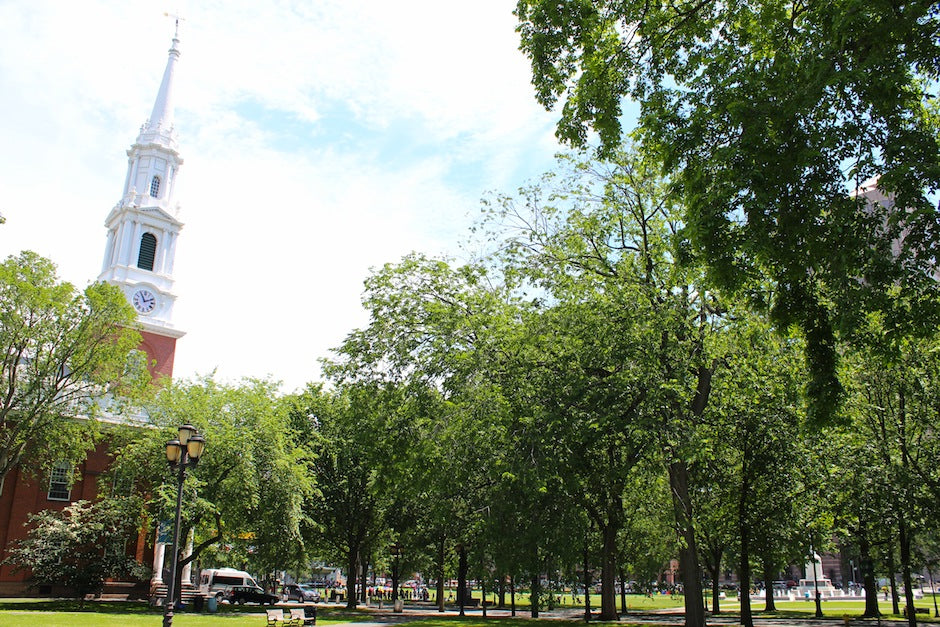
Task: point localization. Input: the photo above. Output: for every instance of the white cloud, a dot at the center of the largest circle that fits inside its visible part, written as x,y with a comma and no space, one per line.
320,139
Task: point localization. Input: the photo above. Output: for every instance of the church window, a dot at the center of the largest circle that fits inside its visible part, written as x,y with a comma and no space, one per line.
60,482
148,251
122,484
155,187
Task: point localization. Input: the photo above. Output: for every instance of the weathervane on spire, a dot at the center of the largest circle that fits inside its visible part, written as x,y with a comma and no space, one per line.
176,16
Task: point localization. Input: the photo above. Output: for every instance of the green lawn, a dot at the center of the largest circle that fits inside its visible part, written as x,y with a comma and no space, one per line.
61,613
830,609
634,601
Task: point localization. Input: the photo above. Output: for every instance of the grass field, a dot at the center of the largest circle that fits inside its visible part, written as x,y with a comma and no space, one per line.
62,613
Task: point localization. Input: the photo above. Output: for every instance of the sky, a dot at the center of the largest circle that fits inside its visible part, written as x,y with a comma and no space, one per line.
320,139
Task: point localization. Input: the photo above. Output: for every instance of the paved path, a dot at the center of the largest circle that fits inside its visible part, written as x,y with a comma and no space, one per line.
670,618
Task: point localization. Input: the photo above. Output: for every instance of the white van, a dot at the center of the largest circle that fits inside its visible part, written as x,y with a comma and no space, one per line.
217,581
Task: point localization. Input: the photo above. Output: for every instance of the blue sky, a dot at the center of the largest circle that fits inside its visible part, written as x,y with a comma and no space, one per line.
320,139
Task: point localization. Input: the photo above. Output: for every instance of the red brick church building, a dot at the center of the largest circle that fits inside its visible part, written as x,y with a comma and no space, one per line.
142,231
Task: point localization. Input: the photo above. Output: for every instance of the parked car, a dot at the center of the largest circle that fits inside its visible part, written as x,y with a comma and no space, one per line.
250,594
218,582
302,593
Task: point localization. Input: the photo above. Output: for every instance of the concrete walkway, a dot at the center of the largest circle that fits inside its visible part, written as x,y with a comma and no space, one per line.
384,617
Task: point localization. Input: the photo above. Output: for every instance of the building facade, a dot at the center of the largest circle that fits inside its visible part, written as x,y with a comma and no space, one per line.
142,231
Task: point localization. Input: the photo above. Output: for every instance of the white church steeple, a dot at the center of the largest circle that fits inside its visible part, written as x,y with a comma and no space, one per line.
143,226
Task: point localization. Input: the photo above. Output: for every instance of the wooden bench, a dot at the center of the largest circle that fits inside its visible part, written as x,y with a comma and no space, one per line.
293,617
918,610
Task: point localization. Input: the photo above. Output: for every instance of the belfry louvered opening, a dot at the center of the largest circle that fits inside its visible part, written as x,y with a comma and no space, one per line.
148,251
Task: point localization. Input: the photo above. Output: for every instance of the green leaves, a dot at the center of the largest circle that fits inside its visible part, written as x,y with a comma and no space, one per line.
758,110
81,546
249,489
63,352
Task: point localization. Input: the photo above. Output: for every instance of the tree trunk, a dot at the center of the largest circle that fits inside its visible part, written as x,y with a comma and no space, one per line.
905,540
461,576
363,578
352,573
501,590
716,574
512,593
608,571
891,578
688,552
744,578
868,575
744,530
587,584
534,597
623,591
769,575
441,556
904,533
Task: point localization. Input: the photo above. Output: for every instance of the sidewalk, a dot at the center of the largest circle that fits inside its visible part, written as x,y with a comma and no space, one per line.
384,616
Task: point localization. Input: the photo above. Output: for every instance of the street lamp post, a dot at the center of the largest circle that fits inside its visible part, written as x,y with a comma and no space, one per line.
813,556
182,453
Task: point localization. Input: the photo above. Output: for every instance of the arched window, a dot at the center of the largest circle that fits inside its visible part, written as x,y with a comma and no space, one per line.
155,187
148,250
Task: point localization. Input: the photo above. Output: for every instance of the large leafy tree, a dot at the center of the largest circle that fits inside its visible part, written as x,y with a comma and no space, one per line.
587,383
62,351
768,115
244,502
895,410
765,467
347,508
421,350
626,350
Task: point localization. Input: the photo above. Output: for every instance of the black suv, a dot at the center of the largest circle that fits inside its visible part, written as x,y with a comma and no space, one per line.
250,594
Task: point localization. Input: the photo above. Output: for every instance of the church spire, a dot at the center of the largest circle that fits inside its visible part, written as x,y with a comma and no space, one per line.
162,114
159,128
143,227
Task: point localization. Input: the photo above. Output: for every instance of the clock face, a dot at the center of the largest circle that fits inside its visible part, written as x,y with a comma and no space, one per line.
144,301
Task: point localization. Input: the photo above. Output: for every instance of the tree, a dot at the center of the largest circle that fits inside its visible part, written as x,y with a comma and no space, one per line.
768,115
757,407
894,404
423,350
80,546
63,353
244,502
346,508
626,332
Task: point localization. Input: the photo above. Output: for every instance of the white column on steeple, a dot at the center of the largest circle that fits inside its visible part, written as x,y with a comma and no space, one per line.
171,186
128,178
138,231
125,243
158,263
171,247
108,250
